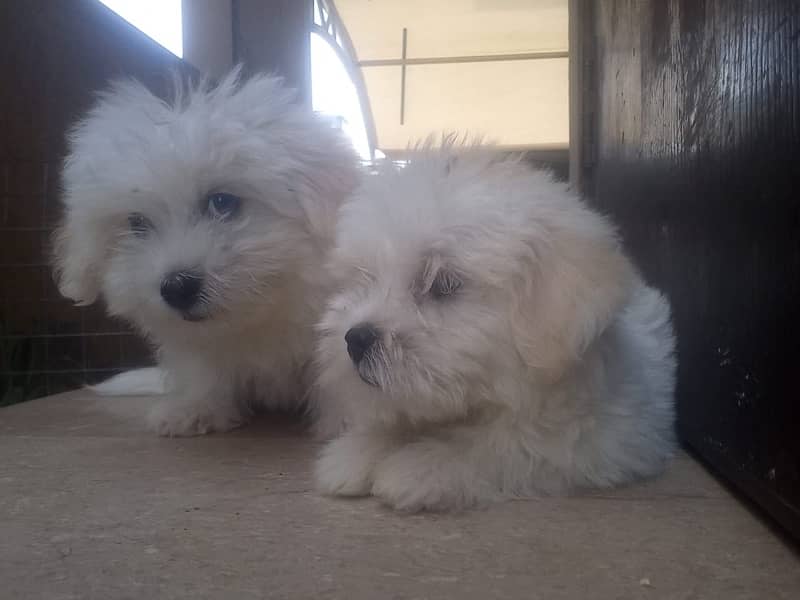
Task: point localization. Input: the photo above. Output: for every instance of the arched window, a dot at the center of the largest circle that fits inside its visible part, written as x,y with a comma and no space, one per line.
496,68
337,89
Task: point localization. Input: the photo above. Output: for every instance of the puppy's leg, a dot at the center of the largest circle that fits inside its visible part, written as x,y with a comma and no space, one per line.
446,471
203,402
347,464
327,418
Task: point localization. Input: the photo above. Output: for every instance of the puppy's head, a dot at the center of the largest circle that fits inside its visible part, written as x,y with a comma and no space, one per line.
460,275
206,208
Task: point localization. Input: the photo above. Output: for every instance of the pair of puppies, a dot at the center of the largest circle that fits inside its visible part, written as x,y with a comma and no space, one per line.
474,331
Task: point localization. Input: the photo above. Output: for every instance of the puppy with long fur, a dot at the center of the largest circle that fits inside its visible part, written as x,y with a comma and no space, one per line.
489,339
204,222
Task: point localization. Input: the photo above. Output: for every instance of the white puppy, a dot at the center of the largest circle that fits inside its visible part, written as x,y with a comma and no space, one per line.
204,222
490,339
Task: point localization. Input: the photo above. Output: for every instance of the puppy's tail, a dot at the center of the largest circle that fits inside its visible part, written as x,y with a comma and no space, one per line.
151,381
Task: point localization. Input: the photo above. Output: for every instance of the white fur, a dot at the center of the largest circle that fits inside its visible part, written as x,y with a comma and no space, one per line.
150,381
549,370
264,282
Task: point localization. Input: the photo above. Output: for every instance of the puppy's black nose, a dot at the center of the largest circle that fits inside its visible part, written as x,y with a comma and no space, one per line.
360,339
181,289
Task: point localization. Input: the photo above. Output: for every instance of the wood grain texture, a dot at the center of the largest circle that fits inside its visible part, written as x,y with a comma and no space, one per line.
698,138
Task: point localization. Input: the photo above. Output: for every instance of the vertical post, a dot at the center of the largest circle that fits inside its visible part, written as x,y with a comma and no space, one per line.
207,35
403,78
274,37
576,91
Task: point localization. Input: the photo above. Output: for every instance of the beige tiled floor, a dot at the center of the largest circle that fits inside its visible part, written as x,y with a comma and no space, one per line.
93,506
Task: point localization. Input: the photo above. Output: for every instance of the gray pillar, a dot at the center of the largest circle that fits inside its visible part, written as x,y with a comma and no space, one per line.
273,36
208,35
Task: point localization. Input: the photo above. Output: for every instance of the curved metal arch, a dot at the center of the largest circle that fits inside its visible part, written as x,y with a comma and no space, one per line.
333,31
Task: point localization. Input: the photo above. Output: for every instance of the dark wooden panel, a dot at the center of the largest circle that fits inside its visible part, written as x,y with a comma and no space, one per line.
54,55
698,158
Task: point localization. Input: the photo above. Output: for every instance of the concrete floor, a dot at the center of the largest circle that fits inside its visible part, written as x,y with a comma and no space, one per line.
94,506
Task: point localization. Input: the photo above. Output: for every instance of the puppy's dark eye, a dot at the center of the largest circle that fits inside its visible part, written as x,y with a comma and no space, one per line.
139,224
222,206
445,284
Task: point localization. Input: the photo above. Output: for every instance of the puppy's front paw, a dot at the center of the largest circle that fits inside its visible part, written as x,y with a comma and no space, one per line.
182,420
429,476
346,464
328,425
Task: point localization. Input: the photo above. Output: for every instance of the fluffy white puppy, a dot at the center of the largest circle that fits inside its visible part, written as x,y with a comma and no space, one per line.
204,221
489,339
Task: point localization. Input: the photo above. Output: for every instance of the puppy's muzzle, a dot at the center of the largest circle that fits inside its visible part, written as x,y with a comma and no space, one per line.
182,290
359,340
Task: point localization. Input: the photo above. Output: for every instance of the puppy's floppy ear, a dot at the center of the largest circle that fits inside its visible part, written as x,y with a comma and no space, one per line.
569,288
78,253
